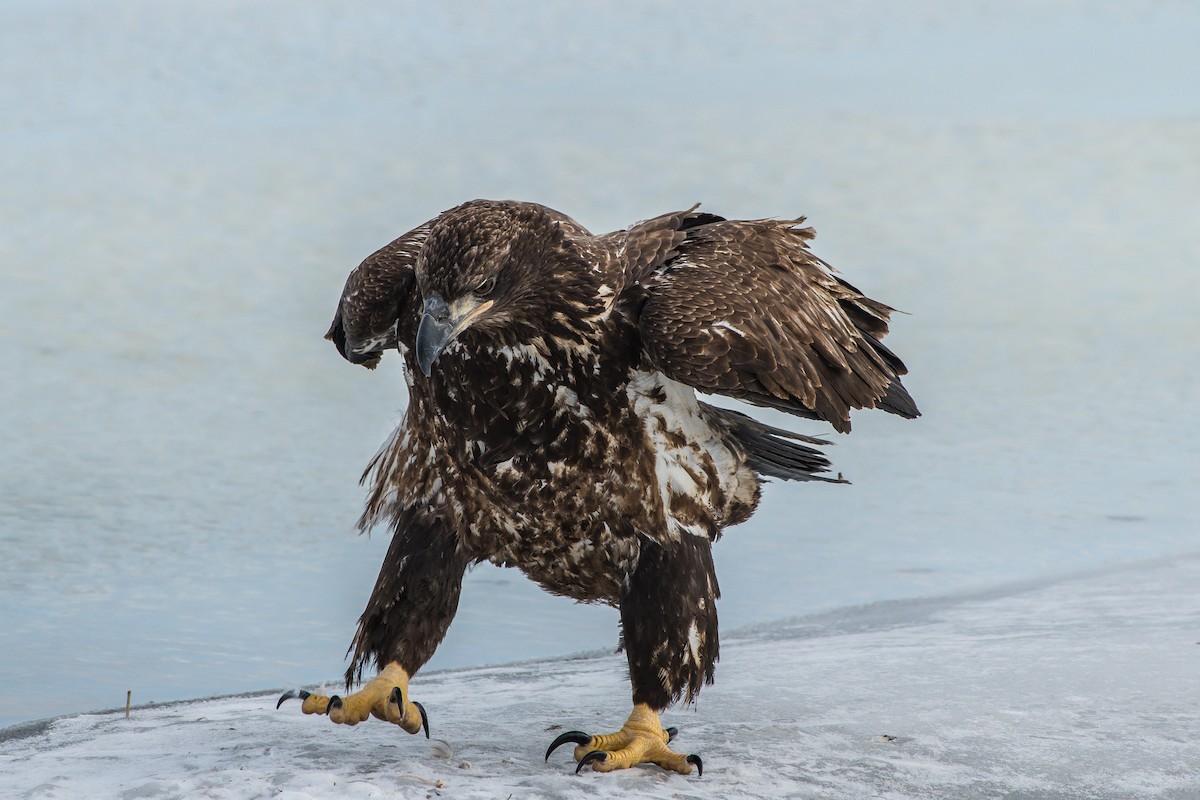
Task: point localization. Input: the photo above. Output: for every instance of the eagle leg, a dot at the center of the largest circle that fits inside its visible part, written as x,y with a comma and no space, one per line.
384,697
641,740
669,631
410,609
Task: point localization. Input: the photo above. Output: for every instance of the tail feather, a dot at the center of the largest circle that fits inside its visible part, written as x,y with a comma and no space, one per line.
777,452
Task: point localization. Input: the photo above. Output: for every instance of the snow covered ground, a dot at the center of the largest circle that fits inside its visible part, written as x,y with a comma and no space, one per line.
1084,687
184,186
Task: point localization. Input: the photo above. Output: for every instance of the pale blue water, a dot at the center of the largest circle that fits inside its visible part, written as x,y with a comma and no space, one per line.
184,187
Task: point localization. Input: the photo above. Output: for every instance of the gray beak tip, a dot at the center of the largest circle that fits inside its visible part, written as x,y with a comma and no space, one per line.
435,332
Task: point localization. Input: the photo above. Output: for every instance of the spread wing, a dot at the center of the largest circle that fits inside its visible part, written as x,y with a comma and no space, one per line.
743,309
379,293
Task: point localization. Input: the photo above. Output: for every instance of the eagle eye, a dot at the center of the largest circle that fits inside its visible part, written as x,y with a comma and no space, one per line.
485,288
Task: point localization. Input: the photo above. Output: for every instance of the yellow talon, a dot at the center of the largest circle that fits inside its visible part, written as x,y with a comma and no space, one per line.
384,697
641,740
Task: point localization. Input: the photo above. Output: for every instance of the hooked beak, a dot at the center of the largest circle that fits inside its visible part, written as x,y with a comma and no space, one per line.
441,324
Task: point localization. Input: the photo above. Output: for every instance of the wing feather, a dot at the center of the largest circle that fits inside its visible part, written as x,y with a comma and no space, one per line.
650,243
744,309
379,293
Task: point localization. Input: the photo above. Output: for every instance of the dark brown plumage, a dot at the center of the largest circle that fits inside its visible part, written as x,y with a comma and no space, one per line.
553,424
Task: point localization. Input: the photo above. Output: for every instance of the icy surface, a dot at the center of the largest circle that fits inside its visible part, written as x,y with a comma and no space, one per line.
1081,688
184,186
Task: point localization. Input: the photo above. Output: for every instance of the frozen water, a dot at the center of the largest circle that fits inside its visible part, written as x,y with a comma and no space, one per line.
1079,688
185,186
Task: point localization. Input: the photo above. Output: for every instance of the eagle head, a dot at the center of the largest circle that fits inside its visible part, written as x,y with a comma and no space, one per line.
502,272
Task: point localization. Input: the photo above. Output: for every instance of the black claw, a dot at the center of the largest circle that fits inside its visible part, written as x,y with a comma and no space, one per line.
695,759
672,732
289,694
595,755
334,702
578,737
397,697
424,719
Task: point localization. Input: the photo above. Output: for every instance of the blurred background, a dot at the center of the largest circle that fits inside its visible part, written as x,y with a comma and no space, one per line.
184,186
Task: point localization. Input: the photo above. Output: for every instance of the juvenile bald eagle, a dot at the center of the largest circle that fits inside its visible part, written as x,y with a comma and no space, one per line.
553,426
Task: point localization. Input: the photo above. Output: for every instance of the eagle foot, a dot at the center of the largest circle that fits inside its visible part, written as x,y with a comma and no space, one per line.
641,740
383,697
